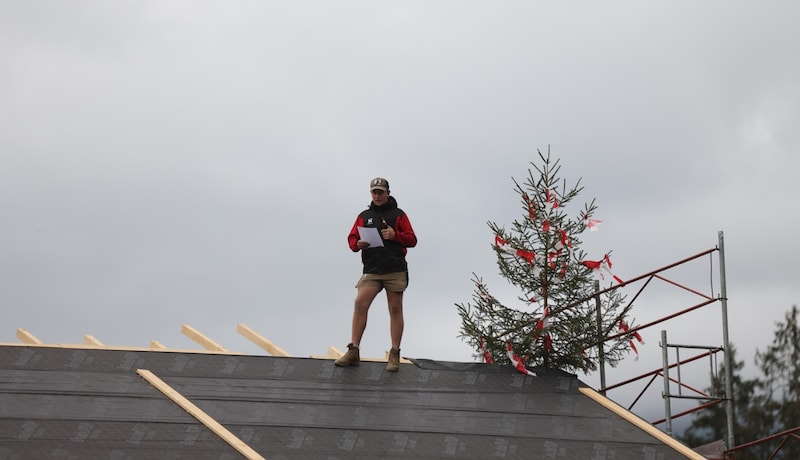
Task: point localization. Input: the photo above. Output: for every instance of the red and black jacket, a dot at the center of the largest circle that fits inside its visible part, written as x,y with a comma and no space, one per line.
391,257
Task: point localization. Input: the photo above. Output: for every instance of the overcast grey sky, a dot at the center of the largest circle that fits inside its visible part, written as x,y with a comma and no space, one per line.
170,162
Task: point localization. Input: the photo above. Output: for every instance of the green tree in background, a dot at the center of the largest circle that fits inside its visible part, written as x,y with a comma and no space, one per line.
763,406
780,365
710,424
554,320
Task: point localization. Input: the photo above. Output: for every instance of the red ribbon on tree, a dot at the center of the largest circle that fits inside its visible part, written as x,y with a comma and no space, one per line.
541,325
598,266
518,365
551,199
623,326
502,244
591,224
487,357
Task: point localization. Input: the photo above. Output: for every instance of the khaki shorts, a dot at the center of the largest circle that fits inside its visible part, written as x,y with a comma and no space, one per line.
395,282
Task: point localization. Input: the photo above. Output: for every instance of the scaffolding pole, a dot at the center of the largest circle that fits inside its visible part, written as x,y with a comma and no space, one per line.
601,355
726,344
666,394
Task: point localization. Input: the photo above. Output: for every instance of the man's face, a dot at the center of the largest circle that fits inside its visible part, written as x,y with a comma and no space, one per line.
379,197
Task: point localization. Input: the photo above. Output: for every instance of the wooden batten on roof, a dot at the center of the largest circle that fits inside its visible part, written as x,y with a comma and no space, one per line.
208,344
91,340
201,339
259,340
223,433
27,337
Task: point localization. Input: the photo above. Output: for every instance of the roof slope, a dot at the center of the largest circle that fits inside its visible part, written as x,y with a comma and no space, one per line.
83,403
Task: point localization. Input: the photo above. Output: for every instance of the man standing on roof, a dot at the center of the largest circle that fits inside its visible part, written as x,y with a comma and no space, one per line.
385,267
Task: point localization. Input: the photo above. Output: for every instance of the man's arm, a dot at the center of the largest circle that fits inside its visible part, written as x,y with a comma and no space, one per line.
353,236
404,232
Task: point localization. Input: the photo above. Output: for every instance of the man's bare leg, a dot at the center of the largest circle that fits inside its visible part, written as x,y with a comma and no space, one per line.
364,299
396,322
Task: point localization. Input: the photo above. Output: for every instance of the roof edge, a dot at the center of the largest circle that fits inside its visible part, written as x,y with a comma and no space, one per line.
78,346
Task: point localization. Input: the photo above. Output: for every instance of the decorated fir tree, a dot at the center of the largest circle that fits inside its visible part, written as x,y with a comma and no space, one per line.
555,321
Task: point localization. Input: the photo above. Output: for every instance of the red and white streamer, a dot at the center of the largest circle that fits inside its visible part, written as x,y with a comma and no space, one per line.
550,196
528,256
599,266
541,328
487,357
518,365
592,224
544,321
623,326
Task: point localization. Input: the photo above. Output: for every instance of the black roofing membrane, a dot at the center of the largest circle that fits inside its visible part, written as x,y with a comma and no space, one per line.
60,403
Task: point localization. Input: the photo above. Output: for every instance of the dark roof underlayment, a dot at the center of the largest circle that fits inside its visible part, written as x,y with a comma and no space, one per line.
88,403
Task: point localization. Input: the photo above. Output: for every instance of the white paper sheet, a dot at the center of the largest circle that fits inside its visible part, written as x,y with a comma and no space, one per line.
371,236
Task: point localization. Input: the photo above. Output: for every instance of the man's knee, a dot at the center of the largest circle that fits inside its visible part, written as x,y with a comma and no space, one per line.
364,297
395,302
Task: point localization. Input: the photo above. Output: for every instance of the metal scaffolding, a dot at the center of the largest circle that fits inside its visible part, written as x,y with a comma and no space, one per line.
710,351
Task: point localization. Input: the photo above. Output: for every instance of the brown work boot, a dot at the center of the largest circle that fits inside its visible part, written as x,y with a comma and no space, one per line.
394,360
351,358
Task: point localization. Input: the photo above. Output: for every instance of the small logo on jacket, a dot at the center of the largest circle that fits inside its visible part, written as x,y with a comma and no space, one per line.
369,221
